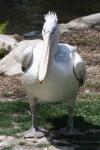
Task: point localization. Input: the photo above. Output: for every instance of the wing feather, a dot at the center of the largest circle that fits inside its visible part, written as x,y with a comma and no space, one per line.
80,68
20,57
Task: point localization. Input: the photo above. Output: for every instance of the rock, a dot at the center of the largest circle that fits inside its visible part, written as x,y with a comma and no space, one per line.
11,138
85,22
18,147
32,34
52,148
7,43
45,148
43,141
7,143
60,148
15,143
2,137
87,91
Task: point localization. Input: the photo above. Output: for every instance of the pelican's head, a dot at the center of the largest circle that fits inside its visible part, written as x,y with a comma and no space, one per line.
50,35
50,27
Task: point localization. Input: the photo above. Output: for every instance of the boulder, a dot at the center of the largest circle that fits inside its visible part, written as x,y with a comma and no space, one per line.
85,22
7,43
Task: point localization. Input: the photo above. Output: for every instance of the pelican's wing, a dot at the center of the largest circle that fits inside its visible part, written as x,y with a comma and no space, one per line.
79,68
21,55
63,52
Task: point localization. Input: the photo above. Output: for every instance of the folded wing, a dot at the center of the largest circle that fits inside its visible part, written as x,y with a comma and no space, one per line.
20,57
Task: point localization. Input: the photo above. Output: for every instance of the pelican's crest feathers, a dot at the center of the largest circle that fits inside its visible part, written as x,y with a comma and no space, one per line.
51,16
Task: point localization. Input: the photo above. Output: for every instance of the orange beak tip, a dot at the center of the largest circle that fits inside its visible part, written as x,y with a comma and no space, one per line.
41,82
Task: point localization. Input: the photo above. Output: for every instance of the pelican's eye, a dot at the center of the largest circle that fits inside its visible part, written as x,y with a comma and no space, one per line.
53,31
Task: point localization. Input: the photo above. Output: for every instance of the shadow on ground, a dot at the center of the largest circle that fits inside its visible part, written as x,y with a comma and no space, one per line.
86,138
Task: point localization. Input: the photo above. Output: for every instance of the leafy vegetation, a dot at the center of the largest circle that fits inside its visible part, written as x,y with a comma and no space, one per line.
2,52
3,27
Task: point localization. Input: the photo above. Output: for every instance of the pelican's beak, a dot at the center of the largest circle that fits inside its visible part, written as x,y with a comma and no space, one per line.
44,58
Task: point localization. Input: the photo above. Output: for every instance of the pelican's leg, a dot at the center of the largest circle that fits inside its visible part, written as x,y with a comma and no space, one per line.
70,125
33,131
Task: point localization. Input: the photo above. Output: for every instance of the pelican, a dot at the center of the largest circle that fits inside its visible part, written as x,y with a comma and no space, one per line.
53,71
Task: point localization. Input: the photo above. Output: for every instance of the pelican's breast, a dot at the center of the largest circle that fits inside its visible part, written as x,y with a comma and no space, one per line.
60,81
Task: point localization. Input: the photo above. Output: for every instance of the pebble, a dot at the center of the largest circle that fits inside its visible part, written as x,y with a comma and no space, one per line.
43,140
2,137
87,91
60,148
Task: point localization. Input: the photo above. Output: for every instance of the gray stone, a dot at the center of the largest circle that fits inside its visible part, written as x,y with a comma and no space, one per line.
84,22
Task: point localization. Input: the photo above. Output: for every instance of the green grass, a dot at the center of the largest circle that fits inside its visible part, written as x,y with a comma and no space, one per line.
89,108
15,116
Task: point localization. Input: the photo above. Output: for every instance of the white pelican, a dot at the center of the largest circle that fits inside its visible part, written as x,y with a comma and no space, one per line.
54,71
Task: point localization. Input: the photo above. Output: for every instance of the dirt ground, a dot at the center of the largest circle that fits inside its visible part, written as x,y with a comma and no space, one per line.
88,44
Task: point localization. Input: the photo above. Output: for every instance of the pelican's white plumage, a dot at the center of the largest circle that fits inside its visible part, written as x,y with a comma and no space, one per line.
54,71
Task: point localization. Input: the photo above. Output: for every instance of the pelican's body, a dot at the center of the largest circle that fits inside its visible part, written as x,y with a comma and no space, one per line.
53,71
60,82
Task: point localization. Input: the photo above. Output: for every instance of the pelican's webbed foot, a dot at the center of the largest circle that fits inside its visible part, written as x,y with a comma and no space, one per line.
33,133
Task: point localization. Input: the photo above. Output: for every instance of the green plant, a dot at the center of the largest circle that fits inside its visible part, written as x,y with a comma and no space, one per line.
3,26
